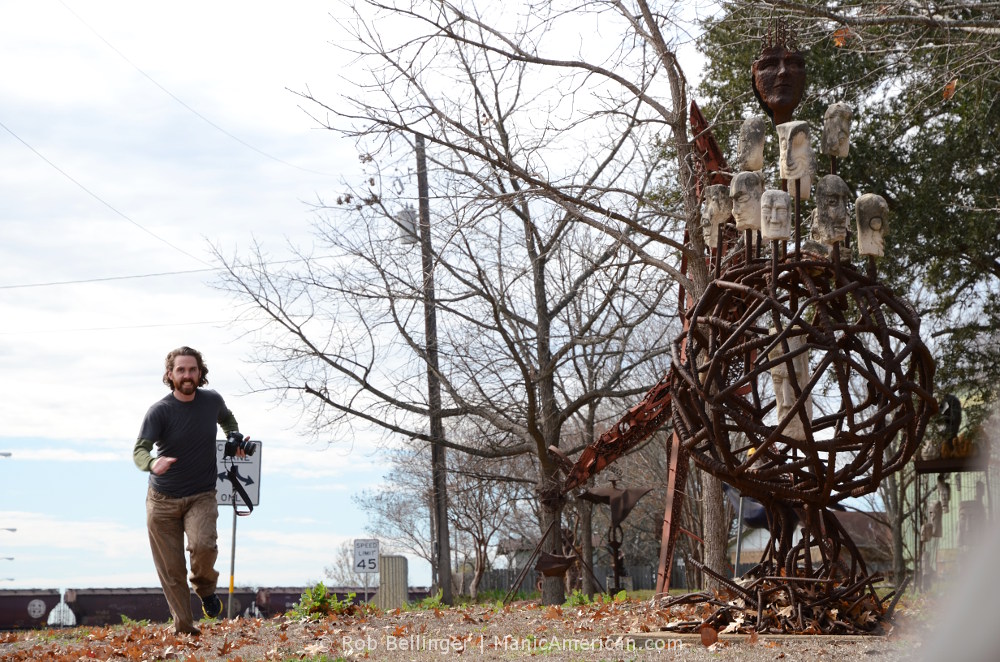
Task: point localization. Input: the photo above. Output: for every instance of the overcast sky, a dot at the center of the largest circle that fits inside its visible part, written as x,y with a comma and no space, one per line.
135,137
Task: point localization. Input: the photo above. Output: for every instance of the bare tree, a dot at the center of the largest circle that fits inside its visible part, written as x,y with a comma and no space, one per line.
545,146
487,500
399,509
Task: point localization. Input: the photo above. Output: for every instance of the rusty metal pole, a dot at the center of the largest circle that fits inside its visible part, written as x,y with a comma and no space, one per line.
670,524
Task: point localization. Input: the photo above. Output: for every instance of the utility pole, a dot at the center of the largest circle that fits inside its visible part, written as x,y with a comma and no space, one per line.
439,517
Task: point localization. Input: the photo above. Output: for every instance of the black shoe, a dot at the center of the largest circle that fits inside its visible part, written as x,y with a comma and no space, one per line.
193,631
212,606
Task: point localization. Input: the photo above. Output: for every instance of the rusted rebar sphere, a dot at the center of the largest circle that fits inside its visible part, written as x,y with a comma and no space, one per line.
803,381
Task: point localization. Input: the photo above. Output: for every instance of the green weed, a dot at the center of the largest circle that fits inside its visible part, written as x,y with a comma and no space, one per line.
577,599
131,623
430,602
316,602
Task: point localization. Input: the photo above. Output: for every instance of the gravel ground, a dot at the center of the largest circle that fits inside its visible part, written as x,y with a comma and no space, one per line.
624,630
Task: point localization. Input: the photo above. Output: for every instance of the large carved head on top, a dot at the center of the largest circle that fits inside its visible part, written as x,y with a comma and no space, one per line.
778,75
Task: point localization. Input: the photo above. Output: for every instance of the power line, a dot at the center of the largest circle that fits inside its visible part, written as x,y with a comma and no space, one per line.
105,279
82,281
97,197
111,328
185,105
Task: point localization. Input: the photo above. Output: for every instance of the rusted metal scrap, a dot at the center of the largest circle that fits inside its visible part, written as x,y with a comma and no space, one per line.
771,604
637,425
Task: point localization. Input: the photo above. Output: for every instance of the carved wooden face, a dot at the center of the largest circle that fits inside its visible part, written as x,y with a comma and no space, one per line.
830,224
837,130
873,222
779,77
745,191
786,390
718,205
750,143
716,209
776,215
795,152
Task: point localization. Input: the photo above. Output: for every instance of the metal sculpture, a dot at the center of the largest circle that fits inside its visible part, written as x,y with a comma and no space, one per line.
621,502
797,379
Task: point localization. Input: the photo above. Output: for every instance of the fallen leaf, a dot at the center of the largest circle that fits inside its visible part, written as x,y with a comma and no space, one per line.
733,626
314,649
949,89
709,635
841,35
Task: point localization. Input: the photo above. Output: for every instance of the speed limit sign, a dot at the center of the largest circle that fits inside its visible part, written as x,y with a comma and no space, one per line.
365,555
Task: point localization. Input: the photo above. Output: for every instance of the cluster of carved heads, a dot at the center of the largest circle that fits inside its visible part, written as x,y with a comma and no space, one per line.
772,211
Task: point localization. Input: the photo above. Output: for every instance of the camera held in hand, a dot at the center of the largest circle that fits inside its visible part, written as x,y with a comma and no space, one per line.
235,442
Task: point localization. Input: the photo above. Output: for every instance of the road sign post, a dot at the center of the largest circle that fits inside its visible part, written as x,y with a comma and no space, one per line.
365,558
246,470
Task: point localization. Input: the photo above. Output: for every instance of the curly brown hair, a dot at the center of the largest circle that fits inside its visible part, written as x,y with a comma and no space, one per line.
185,351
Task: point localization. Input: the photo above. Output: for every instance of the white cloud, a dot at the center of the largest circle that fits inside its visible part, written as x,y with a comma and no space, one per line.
46,534
70,455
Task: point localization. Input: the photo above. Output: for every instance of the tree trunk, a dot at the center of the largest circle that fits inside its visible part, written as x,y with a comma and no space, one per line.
715,527
477,573
553,588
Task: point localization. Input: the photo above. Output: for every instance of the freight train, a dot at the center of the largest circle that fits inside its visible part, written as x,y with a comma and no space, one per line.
43,608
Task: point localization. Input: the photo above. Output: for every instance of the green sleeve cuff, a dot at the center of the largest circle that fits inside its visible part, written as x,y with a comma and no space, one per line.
228,422
142,454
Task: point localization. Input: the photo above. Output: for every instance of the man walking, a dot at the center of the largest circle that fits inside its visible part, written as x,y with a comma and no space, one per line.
181,496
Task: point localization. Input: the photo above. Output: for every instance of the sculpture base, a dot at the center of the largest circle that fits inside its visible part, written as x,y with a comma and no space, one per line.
765,603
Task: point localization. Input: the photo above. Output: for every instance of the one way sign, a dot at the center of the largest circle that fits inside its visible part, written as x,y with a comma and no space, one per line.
247,472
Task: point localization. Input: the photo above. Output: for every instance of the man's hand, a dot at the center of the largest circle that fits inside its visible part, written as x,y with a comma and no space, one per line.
239,451
161,464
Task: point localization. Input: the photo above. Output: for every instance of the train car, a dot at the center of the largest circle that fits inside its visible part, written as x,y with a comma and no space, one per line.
39,608
26,609
111,606
276,600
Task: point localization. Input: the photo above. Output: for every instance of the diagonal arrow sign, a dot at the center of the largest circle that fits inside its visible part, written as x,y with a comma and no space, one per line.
245,473
245,480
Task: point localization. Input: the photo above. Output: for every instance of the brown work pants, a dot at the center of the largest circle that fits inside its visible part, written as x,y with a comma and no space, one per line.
168,519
